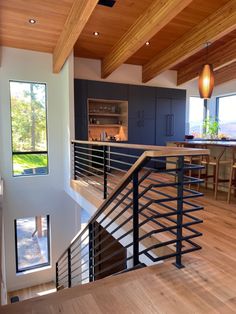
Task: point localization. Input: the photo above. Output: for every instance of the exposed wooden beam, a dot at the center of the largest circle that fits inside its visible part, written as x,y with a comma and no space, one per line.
211,29
156,16
225,74
218,56
76,20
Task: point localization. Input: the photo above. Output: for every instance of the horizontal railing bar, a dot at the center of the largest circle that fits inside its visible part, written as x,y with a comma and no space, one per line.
112,232
91,155
63,257
73,248
158,245
94,174
87,179
89,166
120,162
80,272
118,169
60,271
170,228
89,163
63,277
77,261
84,263
124,155
75,255
89,148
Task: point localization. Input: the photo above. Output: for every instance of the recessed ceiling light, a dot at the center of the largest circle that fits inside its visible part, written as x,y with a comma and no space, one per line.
96,34
147,43
32,21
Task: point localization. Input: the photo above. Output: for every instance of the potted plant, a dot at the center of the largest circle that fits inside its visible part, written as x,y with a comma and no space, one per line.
211,128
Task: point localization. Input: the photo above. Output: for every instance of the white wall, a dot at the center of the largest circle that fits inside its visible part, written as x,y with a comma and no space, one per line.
37,195
90,69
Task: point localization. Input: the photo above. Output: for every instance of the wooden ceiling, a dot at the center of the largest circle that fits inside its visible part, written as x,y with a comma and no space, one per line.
176,29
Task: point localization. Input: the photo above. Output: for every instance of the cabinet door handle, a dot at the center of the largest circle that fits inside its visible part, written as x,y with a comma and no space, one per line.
169,125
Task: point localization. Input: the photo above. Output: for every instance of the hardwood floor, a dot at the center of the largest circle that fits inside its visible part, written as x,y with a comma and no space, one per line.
32,292
207,284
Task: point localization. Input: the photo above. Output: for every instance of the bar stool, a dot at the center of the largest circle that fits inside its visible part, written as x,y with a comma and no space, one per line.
216,163
232,177
192,160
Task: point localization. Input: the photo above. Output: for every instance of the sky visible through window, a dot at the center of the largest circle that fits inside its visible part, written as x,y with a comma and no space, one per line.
196,116
227,116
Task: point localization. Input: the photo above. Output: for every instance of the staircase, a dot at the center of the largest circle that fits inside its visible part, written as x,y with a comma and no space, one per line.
148,212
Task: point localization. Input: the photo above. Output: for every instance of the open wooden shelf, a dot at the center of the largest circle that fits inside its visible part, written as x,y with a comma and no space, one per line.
104,114
105,125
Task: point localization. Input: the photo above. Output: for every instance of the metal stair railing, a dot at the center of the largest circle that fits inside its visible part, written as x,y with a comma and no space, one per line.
146,217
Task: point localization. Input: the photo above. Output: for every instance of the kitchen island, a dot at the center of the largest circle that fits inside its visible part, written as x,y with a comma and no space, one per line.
219,149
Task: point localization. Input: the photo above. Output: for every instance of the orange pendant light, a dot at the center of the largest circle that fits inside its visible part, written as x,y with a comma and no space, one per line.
206,81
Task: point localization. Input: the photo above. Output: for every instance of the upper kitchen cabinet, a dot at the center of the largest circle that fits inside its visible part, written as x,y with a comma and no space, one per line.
142,101
107,91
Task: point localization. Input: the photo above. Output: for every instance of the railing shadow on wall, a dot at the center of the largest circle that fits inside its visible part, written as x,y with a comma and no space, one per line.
147,214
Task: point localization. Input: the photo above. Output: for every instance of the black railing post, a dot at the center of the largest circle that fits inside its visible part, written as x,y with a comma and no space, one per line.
135,220
105,172
91,276
69,266
180,191
57,276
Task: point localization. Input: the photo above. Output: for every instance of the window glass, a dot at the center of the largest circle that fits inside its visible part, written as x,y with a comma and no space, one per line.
227,116
32,242
29,128
196,116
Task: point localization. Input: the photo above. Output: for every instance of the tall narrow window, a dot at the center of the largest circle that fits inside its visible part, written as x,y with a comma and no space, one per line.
32,242
227,116
196,116
29,128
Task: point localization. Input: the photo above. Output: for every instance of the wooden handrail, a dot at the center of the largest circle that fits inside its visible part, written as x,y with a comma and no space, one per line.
165,151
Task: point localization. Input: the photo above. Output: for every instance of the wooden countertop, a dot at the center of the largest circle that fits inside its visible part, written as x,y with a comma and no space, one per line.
207,142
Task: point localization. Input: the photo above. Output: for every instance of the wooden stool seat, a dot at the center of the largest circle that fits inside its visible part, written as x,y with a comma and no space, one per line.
216,163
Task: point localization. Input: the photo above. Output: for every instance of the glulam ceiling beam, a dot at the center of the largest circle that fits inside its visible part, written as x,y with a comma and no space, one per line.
217,25
76,20
225,74
219,56
155,17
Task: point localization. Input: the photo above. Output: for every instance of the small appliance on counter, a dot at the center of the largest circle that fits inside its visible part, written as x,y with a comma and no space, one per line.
103,136
189,137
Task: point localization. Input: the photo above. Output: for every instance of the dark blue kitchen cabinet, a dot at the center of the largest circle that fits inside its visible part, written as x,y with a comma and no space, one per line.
81,114
155,115
104,90
141,128
170,119
141,132
142,101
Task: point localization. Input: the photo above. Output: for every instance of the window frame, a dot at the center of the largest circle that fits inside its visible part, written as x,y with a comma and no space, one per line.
217,109
30,152
48,263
